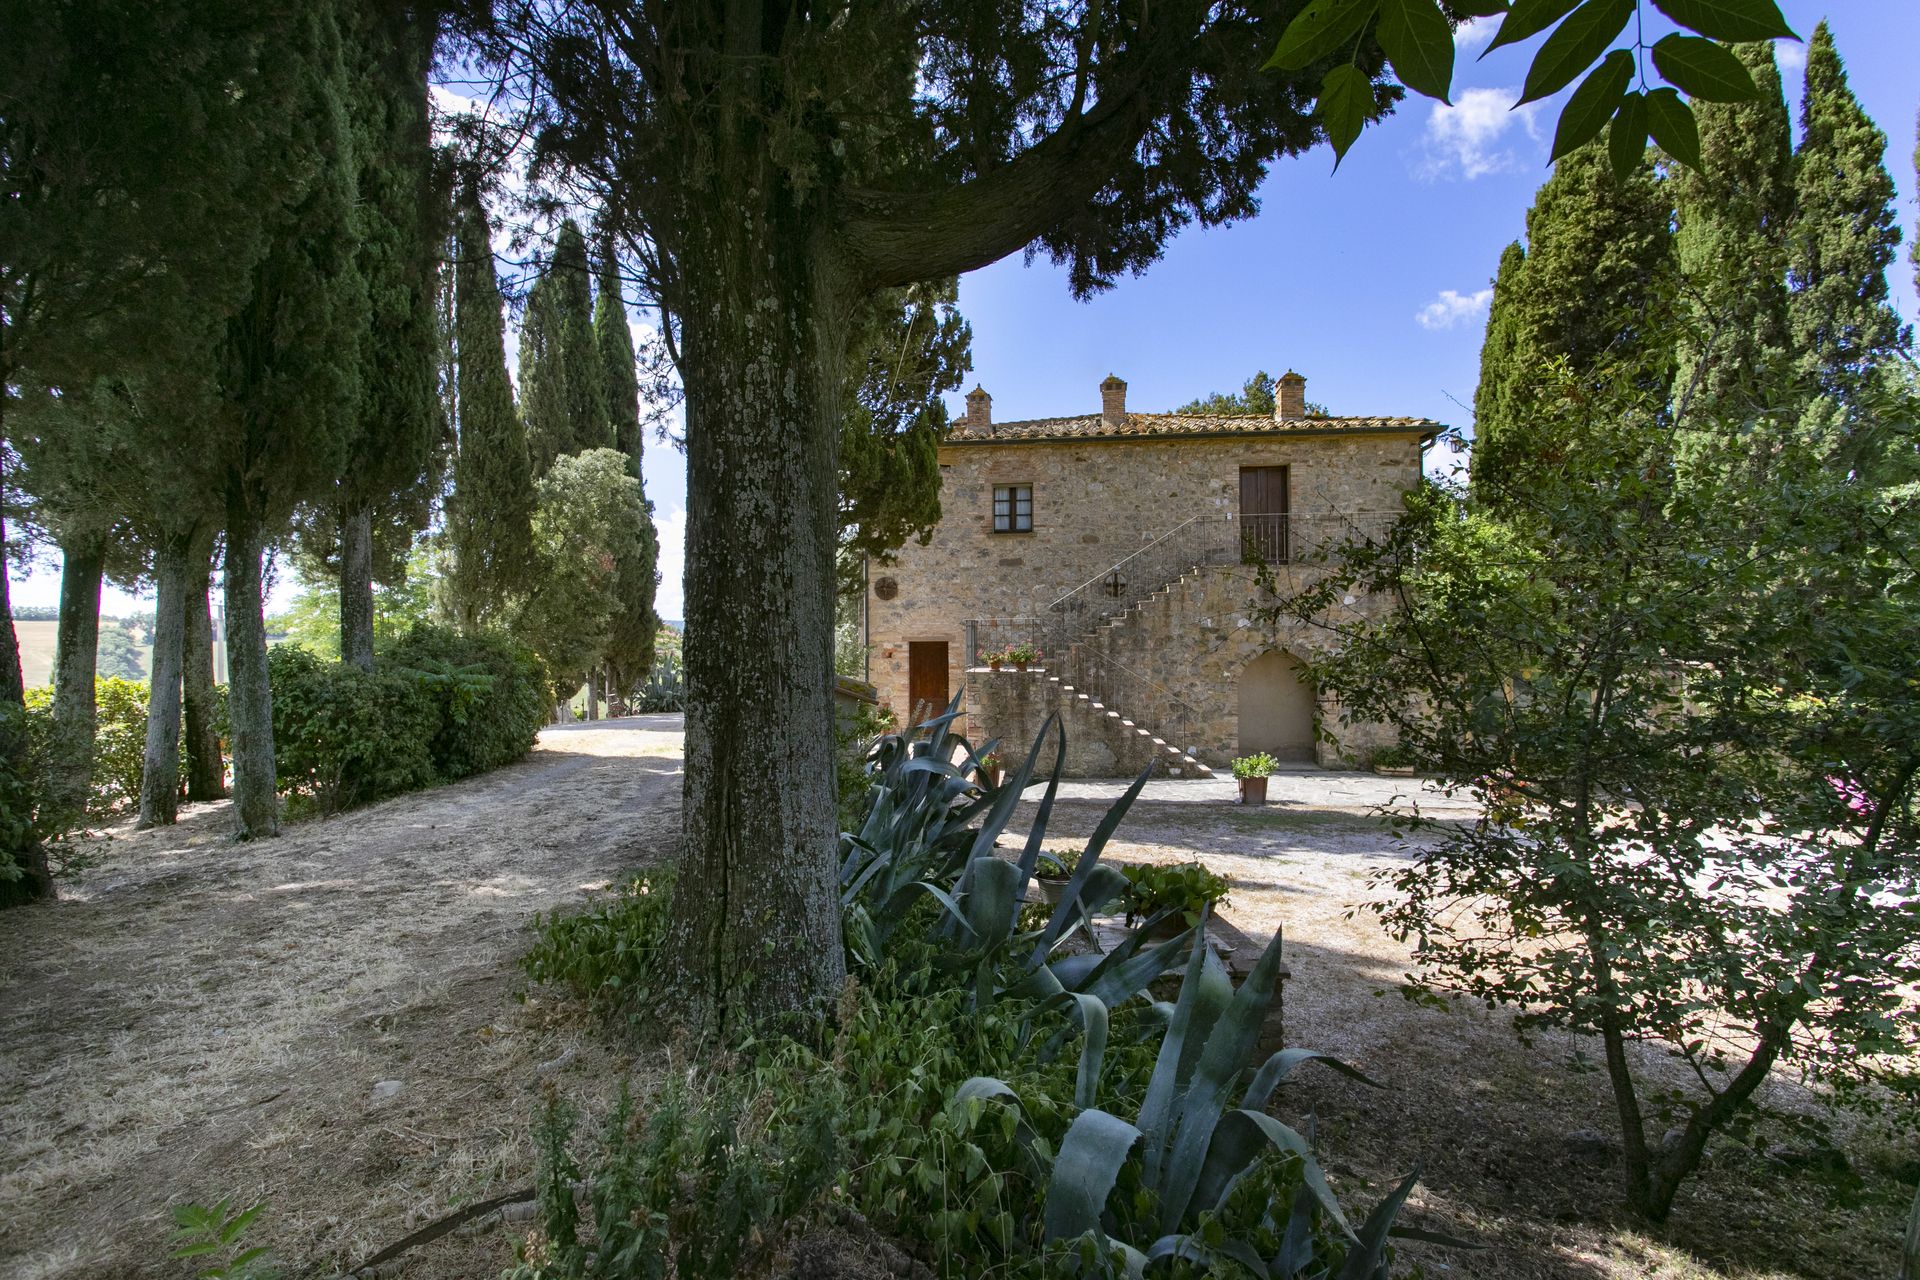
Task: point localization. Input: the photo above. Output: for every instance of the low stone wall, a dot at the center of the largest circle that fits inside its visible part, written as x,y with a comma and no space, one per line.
1012,705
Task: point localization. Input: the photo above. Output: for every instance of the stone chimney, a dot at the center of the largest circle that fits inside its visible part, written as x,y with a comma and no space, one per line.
1290,398
1113,400
979,409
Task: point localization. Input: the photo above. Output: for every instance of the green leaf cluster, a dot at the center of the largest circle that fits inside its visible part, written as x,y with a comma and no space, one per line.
1417,39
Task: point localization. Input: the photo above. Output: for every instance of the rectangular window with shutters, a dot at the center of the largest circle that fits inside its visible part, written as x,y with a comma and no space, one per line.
1013,508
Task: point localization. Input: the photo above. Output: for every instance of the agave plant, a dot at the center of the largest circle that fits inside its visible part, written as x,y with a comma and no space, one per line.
916,832
1192,1148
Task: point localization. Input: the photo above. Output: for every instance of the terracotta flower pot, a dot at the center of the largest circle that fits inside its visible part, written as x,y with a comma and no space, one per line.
994,665
1019,666
1253,791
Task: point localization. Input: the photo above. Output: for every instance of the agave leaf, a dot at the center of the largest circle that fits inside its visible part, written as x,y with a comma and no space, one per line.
1095,1147
1088,860
993,899
954,911
1201,998
1239,1138
1182,1246
1296,1242
1008,795
1364,1259
1274,1072
1092,1016
1122,973
1030,856
987,1089
1228,1047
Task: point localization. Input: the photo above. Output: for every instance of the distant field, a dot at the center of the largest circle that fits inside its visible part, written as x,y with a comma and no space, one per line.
36,650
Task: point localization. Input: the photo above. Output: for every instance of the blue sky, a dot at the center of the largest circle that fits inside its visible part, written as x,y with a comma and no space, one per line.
1370,281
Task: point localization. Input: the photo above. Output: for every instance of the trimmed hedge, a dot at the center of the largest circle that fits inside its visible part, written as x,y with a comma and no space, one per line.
119,743
438,706
492,695
343,736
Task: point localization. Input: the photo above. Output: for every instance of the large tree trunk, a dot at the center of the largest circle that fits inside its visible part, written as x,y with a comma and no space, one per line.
206,771
593,693
76,654
356,589
756,933
160,766
13,685
249,698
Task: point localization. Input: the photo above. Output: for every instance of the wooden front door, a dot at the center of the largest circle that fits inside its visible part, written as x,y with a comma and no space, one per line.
1263,514
927,692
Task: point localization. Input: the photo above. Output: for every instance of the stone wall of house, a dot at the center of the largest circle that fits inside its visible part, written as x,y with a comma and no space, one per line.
1179,655
1095,502
1012,705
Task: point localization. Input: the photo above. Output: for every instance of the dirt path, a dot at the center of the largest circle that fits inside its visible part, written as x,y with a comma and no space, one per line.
325,1021
1515,1138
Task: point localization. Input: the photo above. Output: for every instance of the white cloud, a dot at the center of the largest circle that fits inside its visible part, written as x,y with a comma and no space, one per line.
671,530
1792,57
1474,34
1453,307
1466,139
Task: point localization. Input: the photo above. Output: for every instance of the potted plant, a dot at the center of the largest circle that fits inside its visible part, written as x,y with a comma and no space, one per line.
1052,871
1394,761
994,657
1022,654
1185,887
1253,772
992,769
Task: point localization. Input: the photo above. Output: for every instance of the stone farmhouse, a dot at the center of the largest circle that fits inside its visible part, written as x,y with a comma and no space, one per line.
1125,547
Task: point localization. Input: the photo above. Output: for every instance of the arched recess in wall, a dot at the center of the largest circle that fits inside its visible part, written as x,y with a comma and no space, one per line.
1276,707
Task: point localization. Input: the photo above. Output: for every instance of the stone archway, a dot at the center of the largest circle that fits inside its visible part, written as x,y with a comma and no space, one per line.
1277,708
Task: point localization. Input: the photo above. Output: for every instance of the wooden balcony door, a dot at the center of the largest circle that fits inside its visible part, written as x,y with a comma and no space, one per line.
927,691
1263,514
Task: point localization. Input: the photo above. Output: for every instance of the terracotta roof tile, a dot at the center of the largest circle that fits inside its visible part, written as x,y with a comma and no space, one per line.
1163,425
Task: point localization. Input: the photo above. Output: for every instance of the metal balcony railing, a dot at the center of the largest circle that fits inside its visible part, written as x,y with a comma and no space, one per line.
1215,538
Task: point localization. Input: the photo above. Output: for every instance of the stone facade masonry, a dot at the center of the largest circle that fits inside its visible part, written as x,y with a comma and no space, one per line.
1097,501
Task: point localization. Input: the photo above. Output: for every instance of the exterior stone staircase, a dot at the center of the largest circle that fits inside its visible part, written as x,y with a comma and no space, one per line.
1176,762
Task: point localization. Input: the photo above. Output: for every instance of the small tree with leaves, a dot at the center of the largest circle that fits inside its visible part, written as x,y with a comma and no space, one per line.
1684,702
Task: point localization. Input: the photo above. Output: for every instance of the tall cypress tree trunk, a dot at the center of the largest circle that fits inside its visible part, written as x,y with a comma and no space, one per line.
593,693
76,655
249,698
356,588
160,765
206,772
756,932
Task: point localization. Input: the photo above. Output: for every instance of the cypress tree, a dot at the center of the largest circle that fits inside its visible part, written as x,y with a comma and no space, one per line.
1595,273
621,378
290,363
590,423
490,512
1731,247
399,440
1843,236
543,376
1497,367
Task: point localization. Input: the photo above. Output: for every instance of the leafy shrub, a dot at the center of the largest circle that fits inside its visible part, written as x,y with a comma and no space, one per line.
666,687
343,736
119,743
604,953
941,1105
1186,887
854,735
489,691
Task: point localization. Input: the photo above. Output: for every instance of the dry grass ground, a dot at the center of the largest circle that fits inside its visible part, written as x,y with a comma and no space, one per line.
1487,1116
197,1018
